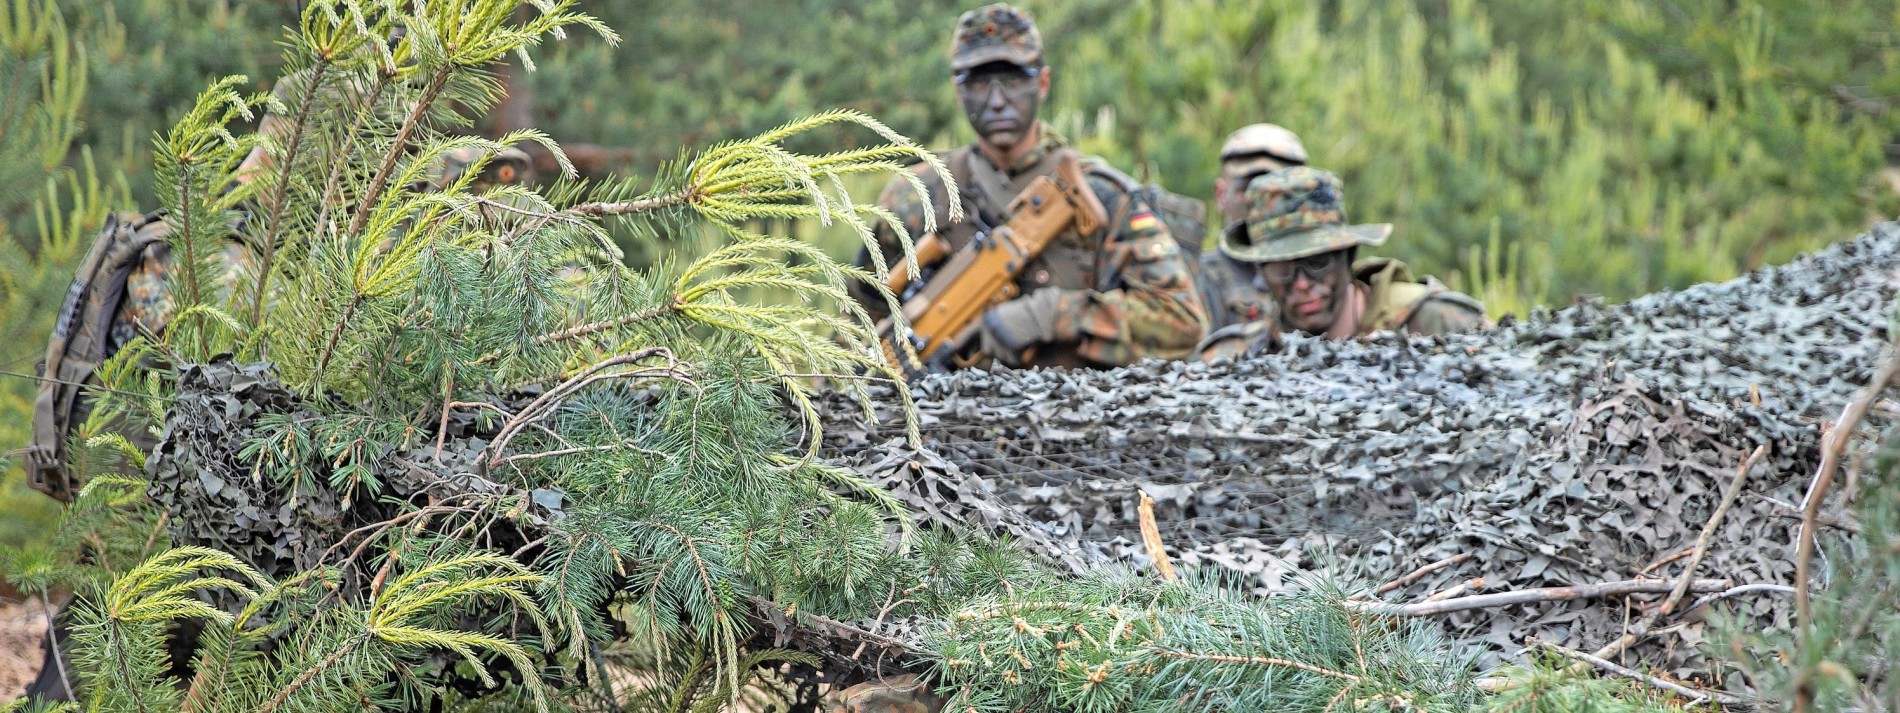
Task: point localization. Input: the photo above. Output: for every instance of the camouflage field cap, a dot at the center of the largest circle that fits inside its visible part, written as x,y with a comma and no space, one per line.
1293,213
995,33
1260,147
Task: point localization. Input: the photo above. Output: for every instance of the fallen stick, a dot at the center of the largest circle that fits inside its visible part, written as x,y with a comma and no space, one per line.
1545,594
1455,590
1695,559
1737,591
1695,695
1678,554
1151,539
1831,447
1418,574
1708,530
1789,511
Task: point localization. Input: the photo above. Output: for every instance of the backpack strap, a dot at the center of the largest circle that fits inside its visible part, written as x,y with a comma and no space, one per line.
1185,217
81,341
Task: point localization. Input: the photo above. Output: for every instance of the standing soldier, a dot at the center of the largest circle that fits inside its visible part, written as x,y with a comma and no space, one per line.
1230,287
1115,296
1297,238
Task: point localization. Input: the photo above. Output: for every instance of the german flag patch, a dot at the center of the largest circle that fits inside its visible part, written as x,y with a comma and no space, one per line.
1143,221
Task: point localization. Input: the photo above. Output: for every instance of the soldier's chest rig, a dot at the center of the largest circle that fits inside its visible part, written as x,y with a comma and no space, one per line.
1042,236
1069,262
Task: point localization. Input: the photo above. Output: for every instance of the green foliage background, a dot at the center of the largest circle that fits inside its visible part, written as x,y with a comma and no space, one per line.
1529,152
1610,147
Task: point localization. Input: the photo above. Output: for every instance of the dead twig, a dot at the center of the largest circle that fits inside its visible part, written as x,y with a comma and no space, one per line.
1784,509
1151,539
1671,557
1418,574
1696,553
1468,585
1528,596
1738,591
1708,530
1696,696
1831,448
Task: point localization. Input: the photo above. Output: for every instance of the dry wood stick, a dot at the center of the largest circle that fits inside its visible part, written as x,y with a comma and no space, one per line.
1151,539
1696,553
1744,589
1831,447
1545,594
1418,574
1708,530
1695,695
1671,557
1455,590
1789,511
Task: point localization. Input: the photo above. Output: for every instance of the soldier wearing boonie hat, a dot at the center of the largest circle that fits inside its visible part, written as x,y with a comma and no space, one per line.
1227,285
1303,249
1118,295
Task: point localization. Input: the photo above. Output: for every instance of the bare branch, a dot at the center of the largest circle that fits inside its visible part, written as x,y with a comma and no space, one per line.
1418,574
1695,695
1529,596
1831,448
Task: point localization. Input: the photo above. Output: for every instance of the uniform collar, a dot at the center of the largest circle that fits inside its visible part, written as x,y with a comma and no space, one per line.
1029,161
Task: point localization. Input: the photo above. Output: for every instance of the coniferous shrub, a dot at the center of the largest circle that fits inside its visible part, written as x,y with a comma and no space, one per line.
672,430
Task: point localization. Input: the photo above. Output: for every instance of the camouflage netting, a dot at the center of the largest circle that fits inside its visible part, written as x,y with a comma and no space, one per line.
1573,447
1568,448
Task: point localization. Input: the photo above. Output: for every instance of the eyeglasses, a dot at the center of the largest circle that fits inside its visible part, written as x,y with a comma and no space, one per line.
1314,267
1012,81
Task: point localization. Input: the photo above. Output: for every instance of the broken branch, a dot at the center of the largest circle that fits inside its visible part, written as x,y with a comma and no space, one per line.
1151,538
1708,530
1528,596
1418,574
1695,695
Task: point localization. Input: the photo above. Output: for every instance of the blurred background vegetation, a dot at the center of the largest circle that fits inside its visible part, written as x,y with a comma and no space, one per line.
1528,152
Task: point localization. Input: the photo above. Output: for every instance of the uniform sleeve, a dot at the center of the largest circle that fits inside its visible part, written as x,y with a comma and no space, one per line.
1446,314
1237,340
1149,307
901,199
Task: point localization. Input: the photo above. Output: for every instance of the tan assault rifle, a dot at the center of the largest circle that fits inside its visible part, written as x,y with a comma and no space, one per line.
945,306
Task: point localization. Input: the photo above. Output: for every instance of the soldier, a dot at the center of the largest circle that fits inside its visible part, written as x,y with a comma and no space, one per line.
1303,250
1114,297
1227,285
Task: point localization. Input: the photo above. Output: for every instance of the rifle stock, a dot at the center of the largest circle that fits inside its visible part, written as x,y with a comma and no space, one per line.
943,315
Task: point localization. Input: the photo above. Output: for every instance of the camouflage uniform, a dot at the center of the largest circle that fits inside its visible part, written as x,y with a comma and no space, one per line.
1227,285
148,304
1300,212
1114,297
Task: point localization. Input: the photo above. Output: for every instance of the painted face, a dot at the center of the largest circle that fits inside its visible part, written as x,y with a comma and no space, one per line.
1230,194
1000,99
1311,291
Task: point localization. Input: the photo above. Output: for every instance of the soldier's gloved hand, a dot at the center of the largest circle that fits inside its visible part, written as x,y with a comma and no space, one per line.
1041,317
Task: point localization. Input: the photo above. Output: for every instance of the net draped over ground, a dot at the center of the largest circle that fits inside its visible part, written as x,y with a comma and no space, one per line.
1571,447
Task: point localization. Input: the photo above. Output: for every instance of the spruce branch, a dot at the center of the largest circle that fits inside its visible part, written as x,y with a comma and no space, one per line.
410,123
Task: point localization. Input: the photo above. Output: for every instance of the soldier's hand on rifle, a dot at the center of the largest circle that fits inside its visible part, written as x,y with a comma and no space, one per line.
1012,328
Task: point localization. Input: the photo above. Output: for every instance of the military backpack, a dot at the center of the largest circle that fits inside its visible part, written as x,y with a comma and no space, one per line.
82,340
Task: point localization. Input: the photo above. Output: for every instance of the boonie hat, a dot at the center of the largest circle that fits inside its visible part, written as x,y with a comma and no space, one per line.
1293,213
